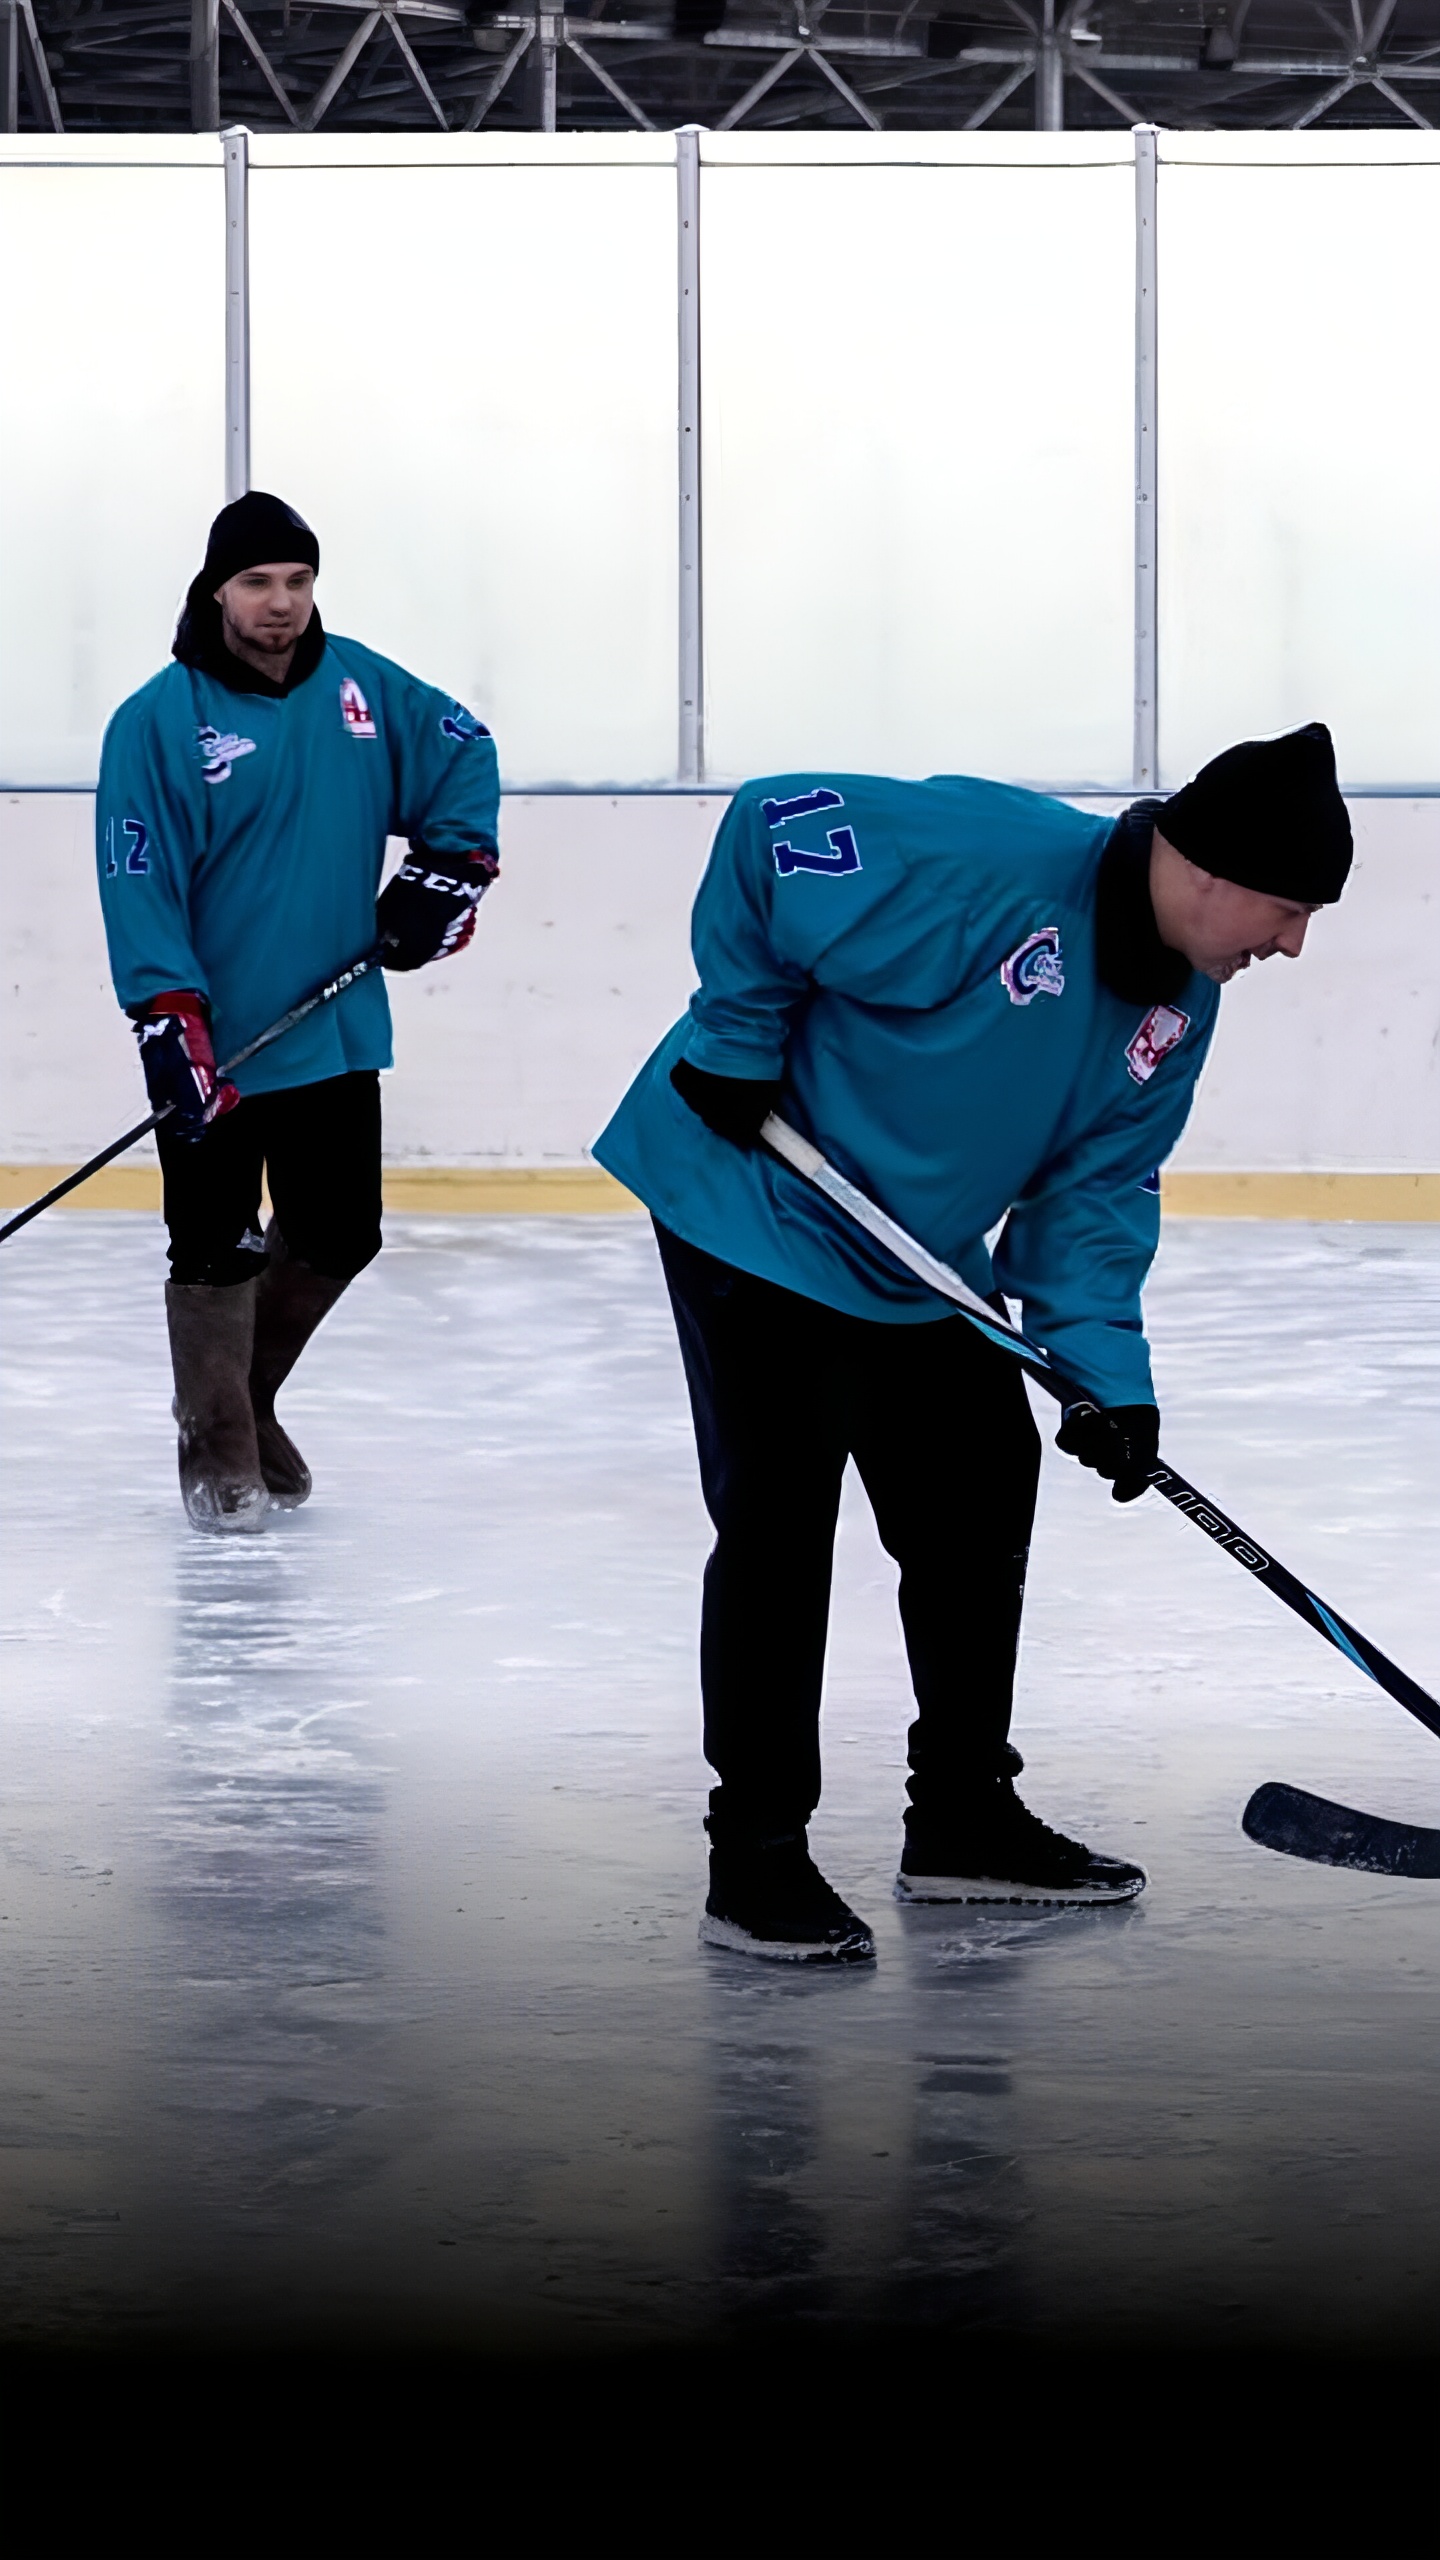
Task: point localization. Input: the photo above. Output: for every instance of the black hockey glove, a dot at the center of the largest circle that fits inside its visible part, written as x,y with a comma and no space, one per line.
1121,1443
174,1035
428,910
733,1106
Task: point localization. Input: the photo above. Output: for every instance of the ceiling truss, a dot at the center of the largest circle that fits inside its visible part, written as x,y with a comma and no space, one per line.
906,65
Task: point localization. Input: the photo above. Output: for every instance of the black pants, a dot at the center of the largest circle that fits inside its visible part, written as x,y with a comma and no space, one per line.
319,1145
783,1391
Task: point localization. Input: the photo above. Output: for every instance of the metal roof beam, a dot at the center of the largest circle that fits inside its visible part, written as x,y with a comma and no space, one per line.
249,38
350,55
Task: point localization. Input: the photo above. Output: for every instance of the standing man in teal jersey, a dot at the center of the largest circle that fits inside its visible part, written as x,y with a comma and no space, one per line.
245,798
988,1010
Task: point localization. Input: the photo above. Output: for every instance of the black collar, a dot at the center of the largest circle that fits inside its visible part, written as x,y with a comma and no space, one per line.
199,643
1132,960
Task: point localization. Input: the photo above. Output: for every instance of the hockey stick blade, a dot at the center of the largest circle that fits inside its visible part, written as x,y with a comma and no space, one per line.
1333,1835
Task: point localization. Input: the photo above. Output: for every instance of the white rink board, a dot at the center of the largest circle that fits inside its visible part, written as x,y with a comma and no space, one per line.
1299,372
516,1053
917,448
464,375
112,378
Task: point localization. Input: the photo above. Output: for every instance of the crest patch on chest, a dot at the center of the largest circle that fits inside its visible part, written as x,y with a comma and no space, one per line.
219,750
1162,1030
355,710
1035,968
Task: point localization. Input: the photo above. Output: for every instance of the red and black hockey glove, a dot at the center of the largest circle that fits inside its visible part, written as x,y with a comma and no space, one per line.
733,1106
179,1063
1121,1442
428,910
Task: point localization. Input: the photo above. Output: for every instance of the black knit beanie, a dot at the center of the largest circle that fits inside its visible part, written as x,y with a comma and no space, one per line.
250,530
253,529
1268,815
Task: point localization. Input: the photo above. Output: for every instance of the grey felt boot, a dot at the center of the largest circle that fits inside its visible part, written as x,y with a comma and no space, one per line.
212,1335
291,1300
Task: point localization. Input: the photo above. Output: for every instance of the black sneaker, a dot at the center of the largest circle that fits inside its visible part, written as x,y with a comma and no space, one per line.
1005,1853
774,1902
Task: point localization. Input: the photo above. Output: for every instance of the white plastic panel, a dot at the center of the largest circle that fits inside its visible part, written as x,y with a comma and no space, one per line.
1299,494
112,387
465,376
919,426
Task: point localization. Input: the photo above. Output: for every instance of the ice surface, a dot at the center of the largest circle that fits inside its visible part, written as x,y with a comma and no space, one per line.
351,1873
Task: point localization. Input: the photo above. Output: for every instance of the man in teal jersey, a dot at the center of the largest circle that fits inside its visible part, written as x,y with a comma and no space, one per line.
245,798
989,1010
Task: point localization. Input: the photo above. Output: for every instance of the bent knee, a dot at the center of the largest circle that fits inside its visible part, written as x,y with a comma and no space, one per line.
335,1252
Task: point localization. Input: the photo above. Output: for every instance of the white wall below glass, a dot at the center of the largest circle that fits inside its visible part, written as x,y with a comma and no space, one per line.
516,1053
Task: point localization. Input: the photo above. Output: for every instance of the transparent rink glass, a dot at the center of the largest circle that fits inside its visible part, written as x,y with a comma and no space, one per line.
464,375
1299,499
112,325
918,433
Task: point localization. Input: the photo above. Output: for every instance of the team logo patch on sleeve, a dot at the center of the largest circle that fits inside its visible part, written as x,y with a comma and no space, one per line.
1035,968
461,724
355,710
1162,1030
220,750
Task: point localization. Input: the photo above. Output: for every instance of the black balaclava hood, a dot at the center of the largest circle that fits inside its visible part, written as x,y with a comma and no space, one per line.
250,531
1132,960
1269,816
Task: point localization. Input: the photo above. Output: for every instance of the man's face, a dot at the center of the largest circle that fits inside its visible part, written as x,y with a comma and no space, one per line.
1219,926
269,607
1234,926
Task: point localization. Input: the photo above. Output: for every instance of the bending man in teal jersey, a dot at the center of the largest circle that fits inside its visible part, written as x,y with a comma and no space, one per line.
984,1007
245,798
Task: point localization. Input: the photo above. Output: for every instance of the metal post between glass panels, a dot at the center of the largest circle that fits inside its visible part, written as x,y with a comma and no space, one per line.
1147,590
692,672
236,143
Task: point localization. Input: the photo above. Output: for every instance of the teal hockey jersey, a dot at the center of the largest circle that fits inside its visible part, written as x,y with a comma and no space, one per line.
917,959
240,839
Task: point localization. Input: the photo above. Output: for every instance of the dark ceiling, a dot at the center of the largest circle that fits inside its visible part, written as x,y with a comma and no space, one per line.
181,65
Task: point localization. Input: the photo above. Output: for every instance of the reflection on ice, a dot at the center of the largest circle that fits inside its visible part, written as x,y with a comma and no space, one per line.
268,1841
350,1876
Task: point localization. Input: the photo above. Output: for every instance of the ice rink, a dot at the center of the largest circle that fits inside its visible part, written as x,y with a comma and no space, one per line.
351,1873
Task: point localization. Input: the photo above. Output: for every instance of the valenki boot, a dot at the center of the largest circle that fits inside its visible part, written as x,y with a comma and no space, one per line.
212,1335
291,1300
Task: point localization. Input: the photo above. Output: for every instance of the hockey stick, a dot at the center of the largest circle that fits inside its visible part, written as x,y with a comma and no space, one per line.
332,988
1273,1811
1333,1835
